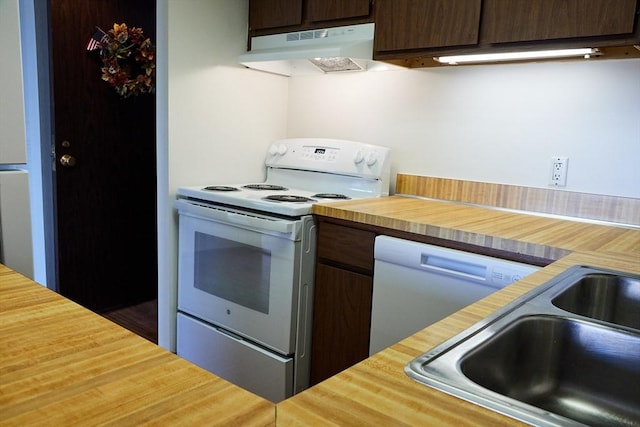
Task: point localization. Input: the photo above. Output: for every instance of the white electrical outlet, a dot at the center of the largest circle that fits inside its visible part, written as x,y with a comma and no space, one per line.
558,176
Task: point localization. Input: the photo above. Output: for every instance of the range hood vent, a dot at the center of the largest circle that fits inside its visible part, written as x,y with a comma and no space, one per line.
325,50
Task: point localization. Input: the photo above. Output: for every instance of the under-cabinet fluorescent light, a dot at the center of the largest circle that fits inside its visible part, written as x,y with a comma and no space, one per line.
517,56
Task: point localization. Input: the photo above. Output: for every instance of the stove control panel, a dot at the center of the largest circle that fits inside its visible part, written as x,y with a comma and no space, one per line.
320,154
330,155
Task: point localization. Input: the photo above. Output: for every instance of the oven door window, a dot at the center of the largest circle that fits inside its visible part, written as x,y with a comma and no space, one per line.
233,271
240,279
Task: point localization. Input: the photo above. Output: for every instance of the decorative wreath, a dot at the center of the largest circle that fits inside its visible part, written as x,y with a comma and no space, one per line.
128,60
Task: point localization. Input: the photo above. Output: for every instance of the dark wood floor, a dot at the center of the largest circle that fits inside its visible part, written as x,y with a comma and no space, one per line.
141,319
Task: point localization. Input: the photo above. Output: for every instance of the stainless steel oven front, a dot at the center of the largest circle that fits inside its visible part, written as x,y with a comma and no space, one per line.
249,277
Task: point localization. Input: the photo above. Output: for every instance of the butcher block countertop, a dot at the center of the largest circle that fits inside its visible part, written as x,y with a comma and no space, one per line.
377,391
532,235
63,365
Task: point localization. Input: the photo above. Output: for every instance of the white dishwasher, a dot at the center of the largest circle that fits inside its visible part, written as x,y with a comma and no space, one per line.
416,284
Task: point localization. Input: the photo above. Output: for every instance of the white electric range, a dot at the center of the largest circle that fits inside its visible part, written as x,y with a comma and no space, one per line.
246,261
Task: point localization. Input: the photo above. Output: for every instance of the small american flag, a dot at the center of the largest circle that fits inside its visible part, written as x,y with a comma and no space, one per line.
98,37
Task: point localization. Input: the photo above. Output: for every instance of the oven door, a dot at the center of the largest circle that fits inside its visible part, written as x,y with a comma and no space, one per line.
236,275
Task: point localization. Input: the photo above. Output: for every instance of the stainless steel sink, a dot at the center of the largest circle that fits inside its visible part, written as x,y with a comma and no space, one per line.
609,297
567,353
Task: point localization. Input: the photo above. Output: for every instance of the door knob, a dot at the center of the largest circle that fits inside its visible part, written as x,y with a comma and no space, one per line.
67,160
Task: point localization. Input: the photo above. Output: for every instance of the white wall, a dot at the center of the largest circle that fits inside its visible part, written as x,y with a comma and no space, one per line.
218,117
12,129
222,116
498,123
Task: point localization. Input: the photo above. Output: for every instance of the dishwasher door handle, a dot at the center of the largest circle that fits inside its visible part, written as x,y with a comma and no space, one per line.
453,267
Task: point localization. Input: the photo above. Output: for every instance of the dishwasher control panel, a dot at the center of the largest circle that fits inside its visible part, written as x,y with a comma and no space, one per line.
501,277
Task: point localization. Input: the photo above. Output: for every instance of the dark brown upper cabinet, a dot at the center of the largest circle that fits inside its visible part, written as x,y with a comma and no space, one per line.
271,16
506,21
413,32
330,10
264,14
424,24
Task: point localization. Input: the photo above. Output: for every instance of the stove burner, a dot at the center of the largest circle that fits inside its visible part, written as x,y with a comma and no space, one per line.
331,196
288,198
220,188
265,187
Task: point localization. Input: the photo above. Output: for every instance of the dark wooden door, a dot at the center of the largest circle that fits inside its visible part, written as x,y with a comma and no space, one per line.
105,205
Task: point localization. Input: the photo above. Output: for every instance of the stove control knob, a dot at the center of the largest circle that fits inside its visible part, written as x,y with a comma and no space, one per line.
358,158
371,159
277,149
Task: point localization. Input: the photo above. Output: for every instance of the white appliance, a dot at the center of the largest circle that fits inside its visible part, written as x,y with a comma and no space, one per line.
15,222
325,50
246,261
416,284
15,218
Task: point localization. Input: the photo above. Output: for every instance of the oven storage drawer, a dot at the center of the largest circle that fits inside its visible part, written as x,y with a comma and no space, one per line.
238,361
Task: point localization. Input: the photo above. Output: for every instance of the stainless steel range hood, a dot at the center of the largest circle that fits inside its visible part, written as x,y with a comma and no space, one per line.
316,51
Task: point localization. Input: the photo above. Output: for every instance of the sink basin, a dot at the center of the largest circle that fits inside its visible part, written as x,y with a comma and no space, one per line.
567,353
607,297
582,371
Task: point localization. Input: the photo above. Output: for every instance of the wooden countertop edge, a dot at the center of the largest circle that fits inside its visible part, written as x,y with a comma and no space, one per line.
529,235
441,232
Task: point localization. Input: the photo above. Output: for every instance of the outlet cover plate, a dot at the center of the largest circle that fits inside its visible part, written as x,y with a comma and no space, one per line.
558,175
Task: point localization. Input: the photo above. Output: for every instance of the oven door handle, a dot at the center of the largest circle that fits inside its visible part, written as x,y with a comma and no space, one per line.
236,218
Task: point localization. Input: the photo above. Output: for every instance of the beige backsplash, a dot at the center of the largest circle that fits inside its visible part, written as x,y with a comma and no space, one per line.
622,210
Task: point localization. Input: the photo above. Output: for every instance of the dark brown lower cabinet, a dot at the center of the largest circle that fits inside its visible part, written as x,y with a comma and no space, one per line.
342,299
342,318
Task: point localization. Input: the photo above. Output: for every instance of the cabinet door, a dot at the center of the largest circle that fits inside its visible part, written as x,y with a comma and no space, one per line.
274,13
341,321
420,24
528,20
327,10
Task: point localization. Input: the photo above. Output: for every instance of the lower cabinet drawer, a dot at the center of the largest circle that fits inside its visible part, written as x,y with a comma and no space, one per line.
234,359
346,245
